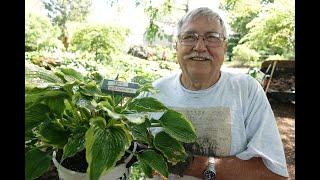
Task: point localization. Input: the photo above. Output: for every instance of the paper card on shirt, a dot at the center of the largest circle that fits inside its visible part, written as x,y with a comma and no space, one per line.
213,128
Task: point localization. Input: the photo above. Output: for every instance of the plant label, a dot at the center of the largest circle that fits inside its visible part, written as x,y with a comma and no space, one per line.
119,87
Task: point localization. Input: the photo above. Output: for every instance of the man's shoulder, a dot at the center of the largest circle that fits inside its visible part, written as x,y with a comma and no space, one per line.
241,81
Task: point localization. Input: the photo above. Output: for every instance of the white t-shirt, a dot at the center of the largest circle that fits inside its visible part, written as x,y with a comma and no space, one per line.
231,118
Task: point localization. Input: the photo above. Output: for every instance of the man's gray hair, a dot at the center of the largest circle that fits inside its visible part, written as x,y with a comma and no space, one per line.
202,11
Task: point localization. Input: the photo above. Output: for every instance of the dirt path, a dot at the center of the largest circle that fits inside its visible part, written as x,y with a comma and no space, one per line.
285,116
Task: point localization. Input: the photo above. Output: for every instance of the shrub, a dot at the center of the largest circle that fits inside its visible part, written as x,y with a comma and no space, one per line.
102,40
243,54
40,33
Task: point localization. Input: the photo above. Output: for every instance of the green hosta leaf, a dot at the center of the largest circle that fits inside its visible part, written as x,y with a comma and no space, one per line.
29,137
148,87
113,115
172,149
41,73
98,121
110,100
136,118
140,132
117,99
60,75
178,127
85,112
75,144
36,163
35,115
104,147
146,169
71,87
154,160
55,100
91,89
71,74
82,101
105,105
146,104
53,134
119,109
35,95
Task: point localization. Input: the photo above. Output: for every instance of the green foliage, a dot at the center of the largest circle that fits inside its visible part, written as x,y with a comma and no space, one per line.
174,124
139,70
172,149
61,11
273,30
137,172
102,40
265,26
242,53
232,42
154,160
156,13
241,12
40,34
164,53
34,169
126,67
104,147
276,57
253,72
67,112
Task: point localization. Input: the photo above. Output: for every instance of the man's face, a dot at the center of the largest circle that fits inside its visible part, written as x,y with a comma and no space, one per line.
197,68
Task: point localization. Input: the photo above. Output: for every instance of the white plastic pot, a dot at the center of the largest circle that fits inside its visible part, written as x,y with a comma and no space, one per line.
120,172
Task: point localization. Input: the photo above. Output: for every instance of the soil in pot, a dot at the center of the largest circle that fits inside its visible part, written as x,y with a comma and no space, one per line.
76,163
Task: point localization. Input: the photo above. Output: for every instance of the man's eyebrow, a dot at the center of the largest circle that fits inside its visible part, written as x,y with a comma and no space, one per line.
190,32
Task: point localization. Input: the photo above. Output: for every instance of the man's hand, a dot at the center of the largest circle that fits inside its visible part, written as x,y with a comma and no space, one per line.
230,168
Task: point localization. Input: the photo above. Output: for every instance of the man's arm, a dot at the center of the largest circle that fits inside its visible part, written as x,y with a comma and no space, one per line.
230,168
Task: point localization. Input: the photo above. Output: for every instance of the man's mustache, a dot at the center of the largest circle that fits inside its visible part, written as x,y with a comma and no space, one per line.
205,56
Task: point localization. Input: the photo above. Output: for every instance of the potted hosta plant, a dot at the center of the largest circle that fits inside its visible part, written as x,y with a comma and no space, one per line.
69,119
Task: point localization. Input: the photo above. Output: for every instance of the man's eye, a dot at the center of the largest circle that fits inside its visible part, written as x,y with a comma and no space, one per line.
212,38
189,37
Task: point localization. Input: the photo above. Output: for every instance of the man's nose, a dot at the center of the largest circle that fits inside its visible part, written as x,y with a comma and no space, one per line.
200,45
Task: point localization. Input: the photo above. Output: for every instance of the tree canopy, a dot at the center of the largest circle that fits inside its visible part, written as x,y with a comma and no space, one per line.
273,31
266,27
62,11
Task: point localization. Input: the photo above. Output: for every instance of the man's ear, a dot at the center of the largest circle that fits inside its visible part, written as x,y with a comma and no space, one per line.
176,45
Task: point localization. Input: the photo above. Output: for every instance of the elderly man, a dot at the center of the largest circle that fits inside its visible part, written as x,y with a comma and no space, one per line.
237,133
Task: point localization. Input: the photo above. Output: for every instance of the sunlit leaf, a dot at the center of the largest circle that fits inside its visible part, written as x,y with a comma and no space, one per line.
104,147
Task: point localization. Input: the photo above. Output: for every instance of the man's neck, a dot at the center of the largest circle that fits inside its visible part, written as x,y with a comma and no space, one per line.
199,84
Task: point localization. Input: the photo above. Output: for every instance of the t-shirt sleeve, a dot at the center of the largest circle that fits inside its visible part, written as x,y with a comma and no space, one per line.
262,132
